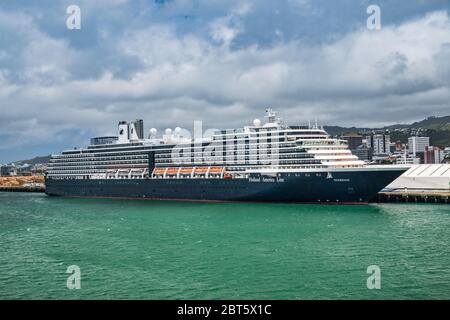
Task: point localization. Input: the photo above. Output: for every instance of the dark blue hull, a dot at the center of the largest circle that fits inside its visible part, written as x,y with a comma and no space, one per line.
345,186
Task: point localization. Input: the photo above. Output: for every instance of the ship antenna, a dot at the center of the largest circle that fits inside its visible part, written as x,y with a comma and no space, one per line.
270,115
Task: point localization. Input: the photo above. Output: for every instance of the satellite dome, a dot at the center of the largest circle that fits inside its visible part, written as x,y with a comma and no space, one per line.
256,122
177,130
153,131
168,131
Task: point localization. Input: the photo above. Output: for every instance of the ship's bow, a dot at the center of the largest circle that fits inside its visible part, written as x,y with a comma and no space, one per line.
378,177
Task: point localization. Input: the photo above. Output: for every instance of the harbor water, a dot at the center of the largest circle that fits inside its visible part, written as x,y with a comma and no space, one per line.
182,250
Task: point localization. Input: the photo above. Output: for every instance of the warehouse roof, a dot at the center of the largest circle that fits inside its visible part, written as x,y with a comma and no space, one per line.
424,177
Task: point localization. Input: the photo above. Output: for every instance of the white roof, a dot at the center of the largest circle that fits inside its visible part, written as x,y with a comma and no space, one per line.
424,176
429,170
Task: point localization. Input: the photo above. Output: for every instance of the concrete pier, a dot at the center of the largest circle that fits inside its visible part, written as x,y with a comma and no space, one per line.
424,196
429,183
23,189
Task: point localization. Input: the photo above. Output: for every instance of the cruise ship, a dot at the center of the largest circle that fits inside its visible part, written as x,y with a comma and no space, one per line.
267,161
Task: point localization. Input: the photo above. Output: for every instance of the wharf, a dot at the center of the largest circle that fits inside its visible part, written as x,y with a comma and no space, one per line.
23,189
426,196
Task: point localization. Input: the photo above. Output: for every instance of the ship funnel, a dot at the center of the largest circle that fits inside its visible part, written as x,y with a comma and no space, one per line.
123,132
132,132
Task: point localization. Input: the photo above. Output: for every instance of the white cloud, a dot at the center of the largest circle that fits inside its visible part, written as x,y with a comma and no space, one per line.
364,78
37,57
225,29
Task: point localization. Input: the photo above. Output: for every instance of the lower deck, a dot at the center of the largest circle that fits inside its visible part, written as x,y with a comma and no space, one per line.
313,187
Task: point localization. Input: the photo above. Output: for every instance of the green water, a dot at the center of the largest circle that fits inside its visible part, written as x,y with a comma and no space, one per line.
174,250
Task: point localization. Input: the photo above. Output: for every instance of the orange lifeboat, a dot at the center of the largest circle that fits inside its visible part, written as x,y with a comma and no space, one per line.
201,170
172,171
159,171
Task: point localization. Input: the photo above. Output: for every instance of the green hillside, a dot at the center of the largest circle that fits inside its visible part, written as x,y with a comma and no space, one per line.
437,128
432,123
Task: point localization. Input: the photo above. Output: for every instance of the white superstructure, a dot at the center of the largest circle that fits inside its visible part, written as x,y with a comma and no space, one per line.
270,145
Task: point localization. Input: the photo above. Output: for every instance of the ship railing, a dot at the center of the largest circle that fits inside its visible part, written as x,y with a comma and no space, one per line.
188,172
126,174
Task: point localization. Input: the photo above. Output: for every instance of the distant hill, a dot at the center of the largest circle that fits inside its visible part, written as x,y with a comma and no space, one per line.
35,160
431,123
437,128
336,130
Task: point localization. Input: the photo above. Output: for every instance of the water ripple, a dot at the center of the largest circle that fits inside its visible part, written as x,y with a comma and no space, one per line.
167,250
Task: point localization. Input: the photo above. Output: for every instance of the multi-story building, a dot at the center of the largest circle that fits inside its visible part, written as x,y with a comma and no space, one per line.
418,144
8,170
353,140
24,169
404,158
433,155
379,143
363,152
399,146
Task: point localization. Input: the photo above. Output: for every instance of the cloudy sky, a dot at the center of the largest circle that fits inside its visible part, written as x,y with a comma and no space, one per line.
171,62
